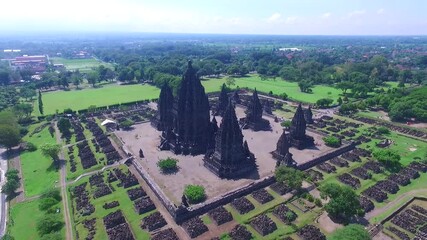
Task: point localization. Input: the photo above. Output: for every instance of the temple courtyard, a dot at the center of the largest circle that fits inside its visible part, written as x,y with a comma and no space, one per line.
191,170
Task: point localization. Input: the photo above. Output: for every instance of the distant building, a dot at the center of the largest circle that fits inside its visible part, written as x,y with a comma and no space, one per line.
37,64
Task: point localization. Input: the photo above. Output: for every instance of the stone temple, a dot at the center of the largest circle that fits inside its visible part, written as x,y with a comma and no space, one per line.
308,115
299,139
253,119
164,119
282,154
222,102
231,157
192,130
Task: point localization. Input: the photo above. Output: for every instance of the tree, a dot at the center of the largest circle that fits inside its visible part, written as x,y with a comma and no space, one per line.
351,232
339,100
51,151
64,126
10,187
47,203
195,193
93,78
168,164
324,102
7,237
27,93
344,202
9,135
126,124
50,223
344,86
76,80
305,86
40,103
230,81
23,111
388,157
289,176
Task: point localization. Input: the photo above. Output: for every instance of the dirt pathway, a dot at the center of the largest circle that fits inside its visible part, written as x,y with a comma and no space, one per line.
378,211
63,185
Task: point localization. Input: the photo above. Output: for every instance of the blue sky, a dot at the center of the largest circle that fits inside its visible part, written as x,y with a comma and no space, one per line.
287,17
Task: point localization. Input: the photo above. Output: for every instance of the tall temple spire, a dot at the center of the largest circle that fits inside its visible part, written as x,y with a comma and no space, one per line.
191,129
231,157
308,115
222,101
164,118
299,139
282,154
253,117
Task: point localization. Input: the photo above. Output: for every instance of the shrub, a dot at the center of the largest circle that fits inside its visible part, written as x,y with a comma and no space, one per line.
50,223
332,141
168,164
126,124
383,130
318,202
47,203
310,198
388,157
286,123
31,147
291,216
53,193
195,193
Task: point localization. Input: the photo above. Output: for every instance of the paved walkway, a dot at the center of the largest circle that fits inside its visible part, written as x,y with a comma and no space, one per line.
3,203
63,183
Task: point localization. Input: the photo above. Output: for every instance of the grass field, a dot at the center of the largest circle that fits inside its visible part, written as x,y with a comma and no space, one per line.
39,173
277,86
83,65
108,95
23,220
113,94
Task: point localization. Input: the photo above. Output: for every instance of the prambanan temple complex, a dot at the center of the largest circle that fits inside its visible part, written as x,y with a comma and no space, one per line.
187,129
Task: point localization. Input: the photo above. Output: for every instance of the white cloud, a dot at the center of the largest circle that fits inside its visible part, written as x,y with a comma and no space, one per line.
380,11
274,18
326,15
357,13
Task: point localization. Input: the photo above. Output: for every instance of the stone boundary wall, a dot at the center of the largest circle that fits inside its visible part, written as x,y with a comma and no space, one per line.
397,211
181,214
327,156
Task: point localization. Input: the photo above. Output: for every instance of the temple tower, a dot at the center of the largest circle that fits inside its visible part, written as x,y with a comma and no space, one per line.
192,126
253,119
164,118
231,157
308,115
222,102
299,139
282,154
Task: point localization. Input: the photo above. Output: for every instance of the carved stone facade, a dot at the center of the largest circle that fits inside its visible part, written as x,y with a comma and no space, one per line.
299,139
231,157
282,154
191,132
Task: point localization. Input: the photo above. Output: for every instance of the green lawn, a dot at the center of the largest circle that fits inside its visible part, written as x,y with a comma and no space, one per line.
113,94
108,95
126,205
23,220
38,172
83,65
277,86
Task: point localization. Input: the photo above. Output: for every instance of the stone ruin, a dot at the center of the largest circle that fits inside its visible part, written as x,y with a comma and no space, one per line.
164,119
253,119
282,154
231,157
299,139
191,131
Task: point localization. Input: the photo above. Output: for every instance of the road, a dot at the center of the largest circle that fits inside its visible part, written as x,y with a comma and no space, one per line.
63,185
3,202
